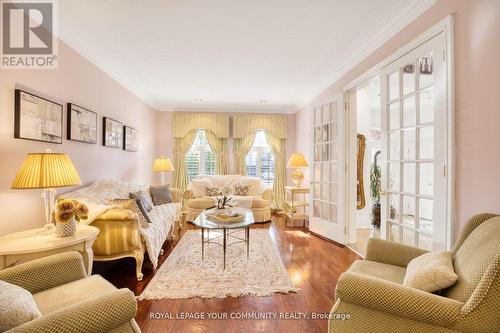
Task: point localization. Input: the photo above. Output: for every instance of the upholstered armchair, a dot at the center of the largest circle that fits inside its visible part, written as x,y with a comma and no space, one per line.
69,300
371,292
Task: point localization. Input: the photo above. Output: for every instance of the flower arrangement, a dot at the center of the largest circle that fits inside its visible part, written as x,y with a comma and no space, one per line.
223,200
69,209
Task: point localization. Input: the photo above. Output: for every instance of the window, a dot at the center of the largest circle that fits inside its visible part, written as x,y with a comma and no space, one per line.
200,160
260,159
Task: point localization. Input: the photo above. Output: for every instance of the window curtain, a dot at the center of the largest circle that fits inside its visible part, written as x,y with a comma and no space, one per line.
241,149
181,147
278,147
219,147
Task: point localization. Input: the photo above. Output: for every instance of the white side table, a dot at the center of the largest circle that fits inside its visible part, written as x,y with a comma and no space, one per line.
32,244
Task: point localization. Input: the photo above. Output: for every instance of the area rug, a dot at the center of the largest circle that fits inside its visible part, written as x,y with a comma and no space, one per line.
185,275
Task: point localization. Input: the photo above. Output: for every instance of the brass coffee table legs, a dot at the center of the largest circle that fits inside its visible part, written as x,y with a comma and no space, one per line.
225,235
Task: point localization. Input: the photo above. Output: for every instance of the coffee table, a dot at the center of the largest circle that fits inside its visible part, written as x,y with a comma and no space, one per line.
228,231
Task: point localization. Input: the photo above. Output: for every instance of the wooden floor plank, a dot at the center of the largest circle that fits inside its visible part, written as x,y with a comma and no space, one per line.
313,264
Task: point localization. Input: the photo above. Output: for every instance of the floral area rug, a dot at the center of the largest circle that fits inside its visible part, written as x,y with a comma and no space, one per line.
185,275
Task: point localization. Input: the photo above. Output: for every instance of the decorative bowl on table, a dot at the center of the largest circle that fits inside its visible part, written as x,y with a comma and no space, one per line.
224,217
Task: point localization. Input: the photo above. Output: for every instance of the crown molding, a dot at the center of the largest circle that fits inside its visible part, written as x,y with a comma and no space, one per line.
411,10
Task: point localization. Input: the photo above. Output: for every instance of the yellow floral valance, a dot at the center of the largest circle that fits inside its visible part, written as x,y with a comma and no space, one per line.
184,122
244,124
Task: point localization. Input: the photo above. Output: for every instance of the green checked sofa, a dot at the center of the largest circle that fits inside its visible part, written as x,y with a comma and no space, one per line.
373,295
69,300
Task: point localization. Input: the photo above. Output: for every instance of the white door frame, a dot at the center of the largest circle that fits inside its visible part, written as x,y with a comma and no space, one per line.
444,26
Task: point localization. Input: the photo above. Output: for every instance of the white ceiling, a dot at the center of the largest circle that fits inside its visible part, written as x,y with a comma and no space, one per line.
231,54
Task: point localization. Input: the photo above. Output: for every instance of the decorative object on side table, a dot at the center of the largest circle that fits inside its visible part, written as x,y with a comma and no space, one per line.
82,124
67,213
46,171
297,161
112,133
37,118
163,165
130,139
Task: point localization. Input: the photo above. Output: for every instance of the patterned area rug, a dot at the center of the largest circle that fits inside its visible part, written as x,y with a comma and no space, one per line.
185,275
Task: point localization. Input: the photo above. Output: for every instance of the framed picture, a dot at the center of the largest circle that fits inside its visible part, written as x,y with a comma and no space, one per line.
112,133
37,118
130,139
82,124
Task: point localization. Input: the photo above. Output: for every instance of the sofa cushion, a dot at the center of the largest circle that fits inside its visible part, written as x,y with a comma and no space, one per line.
430,272
213,191
17,306
201,203
472,259
241,189
379,270
142,201
255,184
199,185
130,204
160,194
71,293
221,180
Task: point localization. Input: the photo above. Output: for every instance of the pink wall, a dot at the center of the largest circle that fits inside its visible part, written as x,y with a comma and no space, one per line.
477,101
80,82
166,142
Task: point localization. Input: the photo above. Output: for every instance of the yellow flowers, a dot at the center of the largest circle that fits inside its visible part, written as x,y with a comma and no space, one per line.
67,209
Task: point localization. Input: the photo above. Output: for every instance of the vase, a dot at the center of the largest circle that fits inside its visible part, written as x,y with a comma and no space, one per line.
66,229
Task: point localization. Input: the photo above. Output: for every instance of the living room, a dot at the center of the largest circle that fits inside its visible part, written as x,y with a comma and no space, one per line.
323,166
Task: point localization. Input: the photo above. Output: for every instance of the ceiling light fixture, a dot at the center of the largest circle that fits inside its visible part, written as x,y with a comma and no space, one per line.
263,101
198,100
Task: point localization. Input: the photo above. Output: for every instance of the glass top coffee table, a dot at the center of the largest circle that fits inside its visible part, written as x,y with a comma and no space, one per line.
228,231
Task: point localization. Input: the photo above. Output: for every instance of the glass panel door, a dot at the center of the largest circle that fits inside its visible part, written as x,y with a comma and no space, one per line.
414,127
328,171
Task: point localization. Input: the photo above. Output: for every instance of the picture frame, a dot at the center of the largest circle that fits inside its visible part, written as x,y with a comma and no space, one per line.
130,139
37,118
112,133
81,124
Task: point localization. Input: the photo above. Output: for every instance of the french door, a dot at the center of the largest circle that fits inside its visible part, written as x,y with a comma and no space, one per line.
414,134
328,175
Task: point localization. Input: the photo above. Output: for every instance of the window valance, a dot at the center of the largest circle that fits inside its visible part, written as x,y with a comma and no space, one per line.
184,122
244,124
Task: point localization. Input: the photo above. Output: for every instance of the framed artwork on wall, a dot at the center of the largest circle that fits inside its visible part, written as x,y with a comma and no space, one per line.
130,139
82,124
37,118
112,133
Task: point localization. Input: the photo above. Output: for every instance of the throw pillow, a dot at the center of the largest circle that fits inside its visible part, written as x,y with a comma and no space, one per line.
141,197
213,191
241,190
17,306
132,205
431,272
160,194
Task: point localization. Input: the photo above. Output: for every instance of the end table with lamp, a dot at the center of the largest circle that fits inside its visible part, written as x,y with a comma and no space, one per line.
296,202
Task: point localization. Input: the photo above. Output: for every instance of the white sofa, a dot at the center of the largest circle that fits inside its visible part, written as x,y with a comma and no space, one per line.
121,234
258,199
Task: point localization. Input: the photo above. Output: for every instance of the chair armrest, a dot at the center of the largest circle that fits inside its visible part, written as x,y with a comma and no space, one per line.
47,272
176,194
98,314
188,194
396,299
391,253
267,194
117,214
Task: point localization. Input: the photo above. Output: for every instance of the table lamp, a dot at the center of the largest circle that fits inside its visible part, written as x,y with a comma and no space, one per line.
163,165
46,171
296,162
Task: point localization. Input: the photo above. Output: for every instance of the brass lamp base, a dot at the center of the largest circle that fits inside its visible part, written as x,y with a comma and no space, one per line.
297,177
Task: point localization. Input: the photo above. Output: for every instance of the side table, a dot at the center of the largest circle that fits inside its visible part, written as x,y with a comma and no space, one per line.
296,204
32,244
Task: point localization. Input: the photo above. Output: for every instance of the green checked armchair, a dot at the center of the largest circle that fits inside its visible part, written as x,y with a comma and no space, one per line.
373,295
69,300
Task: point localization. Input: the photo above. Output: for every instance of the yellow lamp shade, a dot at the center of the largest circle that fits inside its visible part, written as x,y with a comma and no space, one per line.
163,164
297,160
46,170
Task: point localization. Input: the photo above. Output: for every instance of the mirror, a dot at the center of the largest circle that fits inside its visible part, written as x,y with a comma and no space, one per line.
360,182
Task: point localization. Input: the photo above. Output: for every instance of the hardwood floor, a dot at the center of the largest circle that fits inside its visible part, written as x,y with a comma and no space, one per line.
313,264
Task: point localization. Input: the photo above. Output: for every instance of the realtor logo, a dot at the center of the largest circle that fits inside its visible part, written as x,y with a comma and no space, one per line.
28,34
